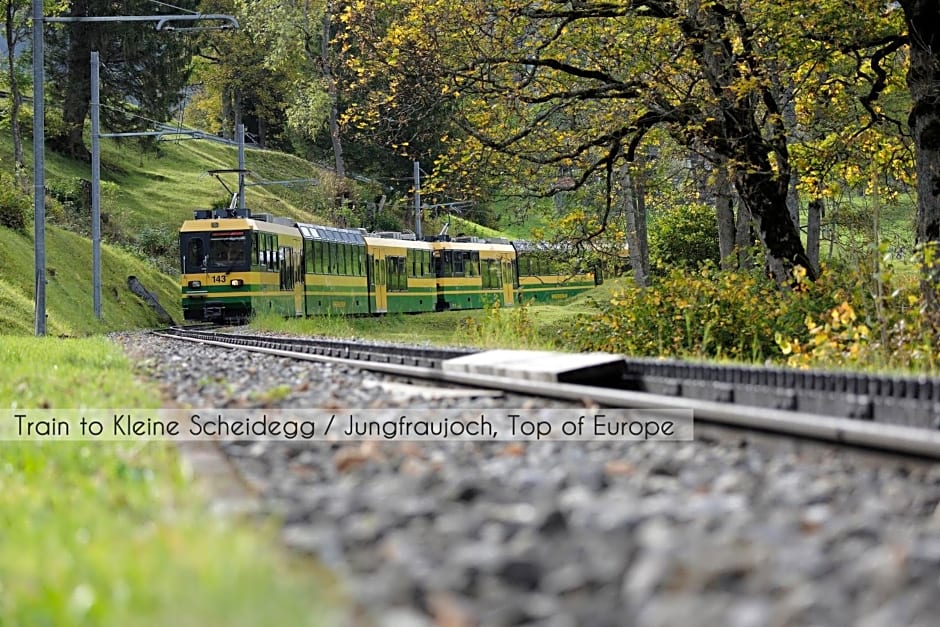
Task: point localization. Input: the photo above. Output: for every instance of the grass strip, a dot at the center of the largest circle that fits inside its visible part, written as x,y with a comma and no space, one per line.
114,533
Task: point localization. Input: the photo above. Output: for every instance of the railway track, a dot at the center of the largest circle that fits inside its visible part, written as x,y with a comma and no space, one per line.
895,414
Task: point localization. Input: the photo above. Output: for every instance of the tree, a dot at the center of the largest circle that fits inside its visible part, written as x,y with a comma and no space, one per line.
923,26
708,72
232,85
392,101
16,29
296,35
143,72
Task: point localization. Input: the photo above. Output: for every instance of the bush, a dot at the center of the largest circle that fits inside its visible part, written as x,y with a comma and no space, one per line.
159,245
684,236
15,206
837,321
882,321
504,328
74,193
707,313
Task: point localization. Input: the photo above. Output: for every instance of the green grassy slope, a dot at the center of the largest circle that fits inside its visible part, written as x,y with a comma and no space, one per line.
141,190
68,290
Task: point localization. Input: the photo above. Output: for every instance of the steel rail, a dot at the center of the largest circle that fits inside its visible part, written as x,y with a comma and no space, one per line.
892,438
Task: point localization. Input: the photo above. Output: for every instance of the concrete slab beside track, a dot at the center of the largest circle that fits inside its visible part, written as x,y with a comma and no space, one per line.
548,366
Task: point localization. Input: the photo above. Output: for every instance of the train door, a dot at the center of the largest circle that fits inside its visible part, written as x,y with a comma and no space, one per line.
381,288
509,281
299,260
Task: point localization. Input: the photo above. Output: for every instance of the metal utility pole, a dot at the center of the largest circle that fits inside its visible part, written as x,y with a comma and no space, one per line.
95,186
39,132
39,168
417,200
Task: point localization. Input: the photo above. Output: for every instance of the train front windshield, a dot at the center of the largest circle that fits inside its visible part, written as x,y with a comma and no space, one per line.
226,251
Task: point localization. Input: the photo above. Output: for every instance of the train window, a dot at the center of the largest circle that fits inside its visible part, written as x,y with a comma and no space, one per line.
447,263
340,259
473,264
459,257
491,274
362,262
350,267
397,277
390,263
308,257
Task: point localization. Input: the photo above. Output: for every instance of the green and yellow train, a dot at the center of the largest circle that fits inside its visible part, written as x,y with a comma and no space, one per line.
235,267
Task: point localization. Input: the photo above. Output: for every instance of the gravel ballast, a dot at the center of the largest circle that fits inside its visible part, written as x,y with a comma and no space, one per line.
719,531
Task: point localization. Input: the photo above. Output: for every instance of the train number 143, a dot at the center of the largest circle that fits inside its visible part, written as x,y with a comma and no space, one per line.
218,278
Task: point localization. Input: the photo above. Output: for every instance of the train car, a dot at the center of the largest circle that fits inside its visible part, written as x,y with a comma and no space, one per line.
336,271
233,267
401,274
236,266
545,279
474,273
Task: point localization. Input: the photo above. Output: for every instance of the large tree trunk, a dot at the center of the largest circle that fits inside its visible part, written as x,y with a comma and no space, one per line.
813,227
766,200
16,98
262,132
228,113
923,79
724,207
743,238
634,208
77,95
735,136
786,96
332,91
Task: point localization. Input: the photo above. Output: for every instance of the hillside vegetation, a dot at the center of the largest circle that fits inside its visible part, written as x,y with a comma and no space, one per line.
146,194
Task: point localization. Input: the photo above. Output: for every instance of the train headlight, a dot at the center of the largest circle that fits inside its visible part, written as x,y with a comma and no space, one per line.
237,283
195,284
